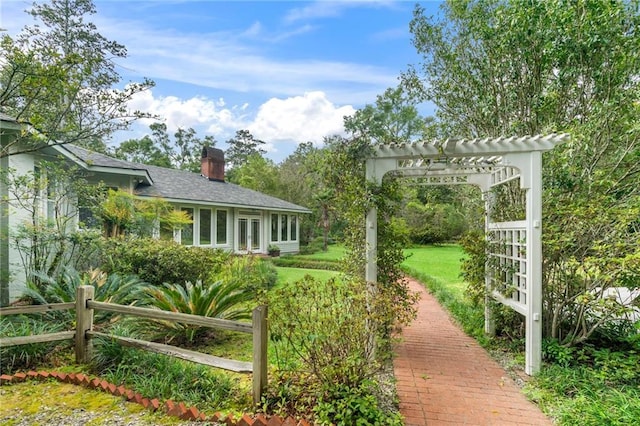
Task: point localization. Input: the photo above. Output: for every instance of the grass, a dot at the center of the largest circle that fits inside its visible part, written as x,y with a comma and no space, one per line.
334,252
438,262
288,275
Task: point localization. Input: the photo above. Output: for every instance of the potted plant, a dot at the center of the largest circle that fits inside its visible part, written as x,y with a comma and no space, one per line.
273,250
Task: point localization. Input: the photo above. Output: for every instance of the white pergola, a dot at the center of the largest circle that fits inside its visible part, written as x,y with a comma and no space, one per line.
514,267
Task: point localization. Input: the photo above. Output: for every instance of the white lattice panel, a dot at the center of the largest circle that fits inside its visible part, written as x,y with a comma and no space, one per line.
507,262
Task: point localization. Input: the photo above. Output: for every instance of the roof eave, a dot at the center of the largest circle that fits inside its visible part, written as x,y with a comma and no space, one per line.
230,205
140,173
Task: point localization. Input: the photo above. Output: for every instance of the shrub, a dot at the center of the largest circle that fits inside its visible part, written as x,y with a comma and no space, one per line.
251,273
29,356
344,405
433,223
160,261
61,289
218,300
324,326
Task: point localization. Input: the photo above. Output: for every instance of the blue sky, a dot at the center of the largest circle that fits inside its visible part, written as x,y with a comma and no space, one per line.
288,71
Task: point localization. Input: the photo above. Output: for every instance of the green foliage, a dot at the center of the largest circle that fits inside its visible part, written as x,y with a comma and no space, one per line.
163,377
182,153
159,261
586,395
23,357
289,275
217,300
555,353
251,273
112,288
297,262
433,223
323,324
121,213
393,119
473,265
241,148
321,340
347,406
354,197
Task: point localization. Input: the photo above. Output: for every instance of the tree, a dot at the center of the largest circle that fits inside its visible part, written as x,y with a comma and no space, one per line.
259,174
497,68
241,147
182,153
142,150
61,79
393,119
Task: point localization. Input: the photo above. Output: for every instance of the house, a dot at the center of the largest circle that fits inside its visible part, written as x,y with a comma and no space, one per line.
225,215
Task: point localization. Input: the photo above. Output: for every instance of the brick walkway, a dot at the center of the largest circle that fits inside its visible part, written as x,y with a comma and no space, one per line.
445,378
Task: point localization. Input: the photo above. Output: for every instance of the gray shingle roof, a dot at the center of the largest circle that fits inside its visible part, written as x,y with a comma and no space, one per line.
97,159
188,187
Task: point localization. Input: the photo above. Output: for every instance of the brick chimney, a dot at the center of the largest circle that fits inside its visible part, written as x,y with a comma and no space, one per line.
212,165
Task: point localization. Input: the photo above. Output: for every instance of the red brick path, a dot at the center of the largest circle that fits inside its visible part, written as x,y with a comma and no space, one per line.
445,378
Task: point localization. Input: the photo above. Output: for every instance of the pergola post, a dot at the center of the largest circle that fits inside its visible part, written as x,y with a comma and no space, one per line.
371,271
489,320
533,330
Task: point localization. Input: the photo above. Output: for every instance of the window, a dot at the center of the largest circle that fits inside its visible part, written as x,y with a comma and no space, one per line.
294,228
205,227
186,236
284,228
45,197
274,227
221,227
51,201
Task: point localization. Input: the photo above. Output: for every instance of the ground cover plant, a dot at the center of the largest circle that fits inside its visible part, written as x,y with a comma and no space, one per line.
29,403
593,384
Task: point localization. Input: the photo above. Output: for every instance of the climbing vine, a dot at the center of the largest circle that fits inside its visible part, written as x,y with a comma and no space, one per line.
354,197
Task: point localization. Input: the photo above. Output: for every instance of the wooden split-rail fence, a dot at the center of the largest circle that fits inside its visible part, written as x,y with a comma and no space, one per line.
85,306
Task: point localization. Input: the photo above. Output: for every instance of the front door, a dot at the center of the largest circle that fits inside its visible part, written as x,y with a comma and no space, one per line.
249,231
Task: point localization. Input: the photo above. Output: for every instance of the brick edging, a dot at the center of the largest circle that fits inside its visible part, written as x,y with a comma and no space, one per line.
170,407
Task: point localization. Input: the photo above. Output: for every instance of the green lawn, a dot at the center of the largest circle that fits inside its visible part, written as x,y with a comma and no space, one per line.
334,252
288,275
439,262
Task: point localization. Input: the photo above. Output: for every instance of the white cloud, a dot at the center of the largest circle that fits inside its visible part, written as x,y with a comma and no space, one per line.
281,123
297,119
330,9
198,112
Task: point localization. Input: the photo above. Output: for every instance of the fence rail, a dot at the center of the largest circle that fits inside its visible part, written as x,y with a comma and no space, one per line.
83,334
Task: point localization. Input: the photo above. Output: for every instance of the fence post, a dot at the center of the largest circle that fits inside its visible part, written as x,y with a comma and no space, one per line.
84,323
259,352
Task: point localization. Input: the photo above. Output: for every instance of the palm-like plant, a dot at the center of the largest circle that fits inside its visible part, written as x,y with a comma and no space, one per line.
111,288
224,300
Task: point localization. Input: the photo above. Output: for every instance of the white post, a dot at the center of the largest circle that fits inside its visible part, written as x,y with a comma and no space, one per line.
489,321
371,272
533,338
